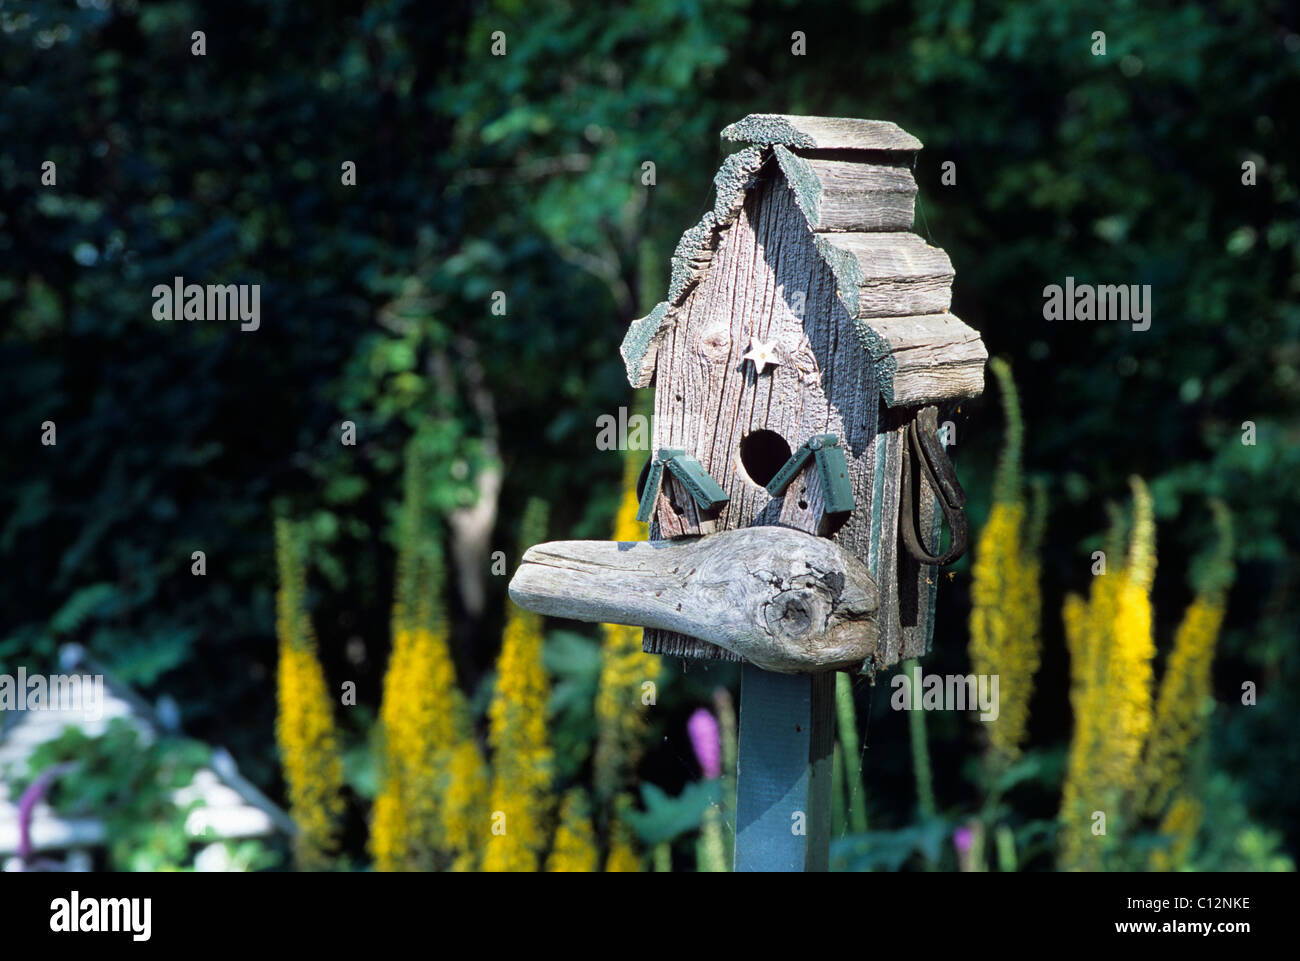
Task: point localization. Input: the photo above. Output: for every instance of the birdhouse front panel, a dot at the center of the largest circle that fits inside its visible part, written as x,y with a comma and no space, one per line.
803,330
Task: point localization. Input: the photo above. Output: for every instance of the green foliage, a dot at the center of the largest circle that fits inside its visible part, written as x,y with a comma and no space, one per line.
573,661
127,783
892,850
1231,839
666,818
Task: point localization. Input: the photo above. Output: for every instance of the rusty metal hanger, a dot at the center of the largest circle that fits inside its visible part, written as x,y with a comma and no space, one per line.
922,439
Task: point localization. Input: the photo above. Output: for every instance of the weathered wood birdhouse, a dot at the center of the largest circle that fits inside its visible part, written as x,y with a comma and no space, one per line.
804,331
797,484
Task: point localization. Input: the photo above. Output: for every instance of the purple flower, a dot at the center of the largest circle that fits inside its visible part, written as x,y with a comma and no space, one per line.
703,729
962,838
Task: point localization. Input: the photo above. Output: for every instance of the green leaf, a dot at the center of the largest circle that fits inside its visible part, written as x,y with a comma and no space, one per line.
666,818
83,604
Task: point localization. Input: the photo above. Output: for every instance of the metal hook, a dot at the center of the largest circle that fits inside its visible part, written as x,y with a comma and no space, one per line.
922,438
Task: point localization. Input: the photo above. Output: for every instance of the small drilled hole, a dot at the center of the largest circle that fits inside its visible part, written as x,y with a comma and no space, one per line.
762,454
803,504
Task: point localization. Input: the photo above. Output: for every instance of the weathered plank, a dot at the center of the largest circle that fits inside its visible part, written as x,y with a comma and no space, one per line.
924,360
820,133
640,345
888,274
837,195
782,599
783,799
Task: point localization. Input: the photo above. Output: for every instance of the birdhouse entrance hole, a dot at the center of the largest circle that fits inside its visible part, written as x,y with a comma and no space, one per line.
762,454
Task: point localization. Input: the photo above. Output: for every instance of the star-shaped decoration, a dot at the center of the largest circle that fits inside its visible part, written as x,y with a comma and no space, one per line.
762,354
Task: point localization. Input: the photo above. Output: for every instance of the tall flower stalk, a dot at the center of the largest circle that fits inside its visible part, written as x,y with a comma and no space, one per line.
624,671
305,733
850,755
920,745
1186,699
522,758
1183,706
433,781
623,856
574,849
1111,647
1006,604
706,742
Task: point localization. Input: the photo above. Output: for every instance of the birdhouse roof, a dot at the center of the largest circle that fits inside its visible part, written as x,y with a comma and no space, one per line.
851,182
820,133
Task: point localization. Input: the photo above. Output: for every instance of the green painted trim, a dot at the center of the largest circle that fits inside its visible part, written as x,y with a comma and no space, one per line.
732,182
879,451
833,468
789,471
645,511
708,495
695,241
765,129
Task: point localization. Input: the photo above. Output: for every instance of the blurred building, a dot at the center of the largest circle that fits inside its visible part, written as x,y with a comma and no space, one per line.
229,807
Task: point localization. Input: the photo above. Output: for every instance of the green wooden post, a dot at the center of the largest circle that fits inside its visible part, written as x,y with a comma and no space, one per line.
787,739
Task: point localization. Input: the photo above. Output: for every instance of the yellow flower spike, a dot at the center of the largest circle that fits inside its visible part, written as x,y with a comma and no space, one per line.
1140,565
623,856
620,714
1078,637
433,783
464,796
1006,605
1180,827
1112,647
574,849
1186,697
522,759
304,726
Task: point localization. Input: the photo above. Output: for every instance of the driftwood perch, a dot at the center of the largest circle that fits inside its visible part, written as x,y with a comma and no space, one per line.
782,599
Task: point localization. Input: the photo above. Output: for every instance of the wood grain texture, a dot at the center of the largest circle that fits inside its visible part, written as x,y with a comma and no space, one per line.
925,360
820,133
838,195
782,599
707,399
896,285
640,345
690,262
888,274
